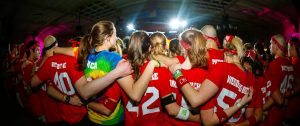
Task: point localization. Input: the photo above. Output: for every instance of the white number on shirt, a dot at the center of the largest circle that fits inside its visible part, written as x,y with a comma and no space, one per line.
60,83
227,93
286,83
146,104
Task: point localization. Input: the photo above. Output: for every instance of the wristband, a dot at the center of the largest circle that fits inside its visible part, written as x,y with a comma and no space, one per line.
158,63
181,81
183,114
177,74
238,103
252,120
222,116
67,99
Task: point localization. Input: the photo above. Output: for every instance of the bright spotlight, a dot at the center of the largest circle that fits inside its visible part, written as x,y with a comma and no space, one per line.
174,23
183,23
130,27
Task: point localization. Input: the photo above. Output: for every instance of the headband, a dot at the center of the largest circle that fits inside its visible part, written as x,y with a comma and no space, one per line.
277,44
49,47
213,38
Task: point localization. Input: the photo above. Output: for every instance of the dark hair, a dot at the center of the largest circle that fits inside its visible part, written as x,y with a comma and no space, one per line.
197,52
138,51
30,46
95,38
174,48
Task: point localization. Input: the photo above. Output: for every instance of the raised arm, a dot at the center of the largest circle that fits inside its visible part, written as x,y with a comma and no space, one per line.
209,117
177,111
135,90
64,50
87,89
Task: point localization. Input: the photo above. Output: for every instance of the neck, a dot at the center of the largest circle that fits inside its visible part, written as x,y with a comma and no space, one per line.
186,64
101,48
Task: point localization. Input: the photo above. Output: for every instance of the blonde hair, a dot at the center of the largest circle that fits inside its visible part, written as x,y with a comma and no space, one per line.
235,44
158,44
117,47
197,52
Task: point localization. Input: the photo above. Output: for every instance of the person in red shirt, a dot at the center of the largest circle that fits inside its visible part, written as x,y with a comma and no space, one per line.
293,110
279,78
158,96
228,82
28,69
215,54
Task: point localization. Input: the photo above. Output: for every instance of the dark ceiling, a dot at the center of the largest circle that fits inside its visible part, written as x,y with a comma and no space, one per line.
20,18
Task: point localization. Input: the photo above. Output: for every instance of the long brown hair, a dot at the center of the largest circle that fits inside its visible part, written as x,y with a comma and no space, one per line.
95,38
197,52
138,51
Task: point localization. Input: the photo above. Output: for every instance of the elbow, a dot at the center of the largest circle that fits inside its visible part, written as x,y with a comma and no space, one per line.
85,96
172,113
136,98
206,122
194,103
108,112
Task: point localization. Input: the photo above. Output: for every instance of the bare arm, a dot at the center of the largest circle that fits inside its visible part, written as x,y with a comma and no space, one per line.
268,103
88,89
99,108
278,98
167,60
173,110
35,81
256,112
64,50
135,90
74,100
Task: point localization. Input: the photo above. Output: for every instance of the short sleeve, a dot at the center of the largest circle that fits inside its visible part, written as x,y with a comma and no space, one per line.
114,92
164,80
114,59
216,75
44,71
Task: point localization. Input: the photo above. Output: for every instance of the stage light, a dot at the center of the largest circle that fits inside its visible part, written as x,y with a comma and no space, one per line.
130,27
176,23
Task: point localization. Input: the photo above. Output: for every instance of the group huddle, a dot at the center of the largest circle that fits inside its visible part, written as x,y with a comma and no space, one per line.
193,80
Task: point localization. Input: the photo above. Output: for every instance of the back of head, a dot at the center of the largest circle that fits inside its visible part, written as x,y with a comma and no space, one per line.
158,44
30,46
94,38
174,48
234,46
195,43
279,41
209,30
49,42
138,49
210,34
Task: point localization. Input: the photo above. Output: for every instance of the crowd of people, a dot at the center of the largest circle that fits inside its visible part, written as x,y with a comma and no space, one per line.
194,79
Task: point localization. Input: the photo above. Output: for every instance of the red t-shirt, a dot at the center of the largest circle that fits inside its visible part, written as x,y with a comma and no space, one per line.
60,69
149,112
233,84
195,76
214,56
293,108
279,75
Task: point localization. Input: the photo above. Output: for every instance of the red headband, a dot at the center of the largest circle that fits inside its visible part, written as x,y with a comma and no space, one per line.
184,44
229,38
251,54
231,51
213,38
277,44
